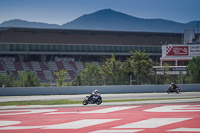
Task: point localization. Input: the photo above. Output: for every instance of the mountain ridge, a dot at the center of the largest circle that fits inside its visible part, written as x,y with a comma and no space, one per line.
28,24
108,19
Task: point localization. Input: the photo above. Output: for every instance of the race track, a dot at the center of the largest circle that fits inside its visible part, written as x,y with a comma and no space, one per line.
147,118
104,96
180,115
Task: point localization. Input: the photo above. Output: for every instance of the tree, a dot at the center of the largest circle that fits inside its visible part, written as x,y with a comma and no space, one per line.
180,77
166,76
91,75
112,70
27,79
61,77
6,80
128,67
193,70
140,66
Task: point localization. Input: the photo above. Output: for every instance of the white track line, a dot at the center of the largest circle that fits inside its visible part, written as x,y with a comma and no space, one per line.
7,123
105,110
69,125
175,108
80,124
118,131
186,130
153,123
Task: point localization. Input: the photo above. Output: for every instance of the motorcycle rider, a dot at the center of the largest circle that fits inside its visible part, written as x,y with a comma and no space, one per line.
173,87
94,94
94,98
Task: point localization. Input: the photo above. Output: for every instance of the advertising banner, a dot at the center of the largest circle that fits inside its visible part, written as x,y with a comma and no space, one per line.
177,50
181,50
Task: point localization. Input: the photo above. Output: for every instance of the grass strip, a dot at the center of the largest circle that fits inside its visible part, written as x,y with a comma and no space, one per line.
59,102
127,100
38,102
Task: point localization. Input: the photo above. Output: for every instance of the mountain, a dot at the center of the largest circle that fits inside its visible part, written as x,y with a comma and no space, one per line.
108,19
26,24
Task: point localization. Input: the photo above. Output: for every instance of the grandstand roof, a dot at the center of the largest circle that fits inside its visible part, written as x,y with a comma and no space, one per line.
69,36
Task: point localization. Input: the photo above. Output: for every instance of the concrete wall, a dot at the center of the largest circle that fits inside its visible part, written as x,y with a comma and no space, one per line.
89,89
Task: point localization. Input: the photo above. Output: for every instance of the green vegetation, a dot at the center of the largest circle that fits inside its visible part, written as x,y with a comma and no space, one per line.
112,71
193,71
24,79
52,102
90,75
61,77
27,79
136,69
6,80
139,66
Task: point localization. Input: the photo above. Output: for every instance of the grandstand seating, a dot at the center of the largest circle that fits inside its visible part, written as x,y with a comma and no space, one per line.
35,65
73,64
48,75
67,66
25,66
18,66
79,65
72,74
29,65
10,66
60,65
44,66
41,75
1,67
44,70
52,65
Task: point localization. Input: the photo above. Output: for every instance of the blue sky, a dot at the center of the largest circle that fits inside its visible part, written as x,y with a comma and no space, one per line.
62,11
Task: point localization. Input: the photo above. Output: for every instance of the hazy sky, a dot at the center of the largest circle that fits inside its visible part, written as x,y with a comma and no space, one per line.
62,11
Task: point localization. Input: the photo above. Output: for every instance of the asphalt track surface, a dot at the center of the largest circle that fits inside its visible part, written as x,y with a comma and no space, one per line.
104,96
145,118
153,116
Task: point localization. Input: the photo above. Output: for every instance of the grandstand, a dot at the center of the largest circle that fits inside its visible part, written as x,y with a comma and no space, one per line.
45,51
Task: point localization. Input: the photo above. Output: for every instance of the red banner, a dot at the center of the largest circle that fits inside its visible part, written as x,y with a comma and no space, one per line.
177,50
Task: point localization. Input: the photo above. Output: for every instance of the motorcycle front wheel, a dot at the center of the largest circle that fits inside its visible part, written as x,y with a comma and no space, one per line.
99,101
178,91
168,91
85,102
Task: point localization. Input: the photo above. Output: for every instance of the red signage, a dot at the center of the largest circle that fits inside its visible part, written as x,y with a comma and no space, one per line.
177,50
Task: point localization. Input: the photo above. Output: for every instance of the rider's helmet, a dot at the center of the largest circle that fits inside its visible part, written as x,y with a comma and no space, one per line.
96,91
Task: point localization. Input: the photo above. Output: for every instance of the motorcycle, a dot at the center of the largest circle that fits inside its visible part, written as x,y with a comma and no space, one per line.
171,90
92,100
